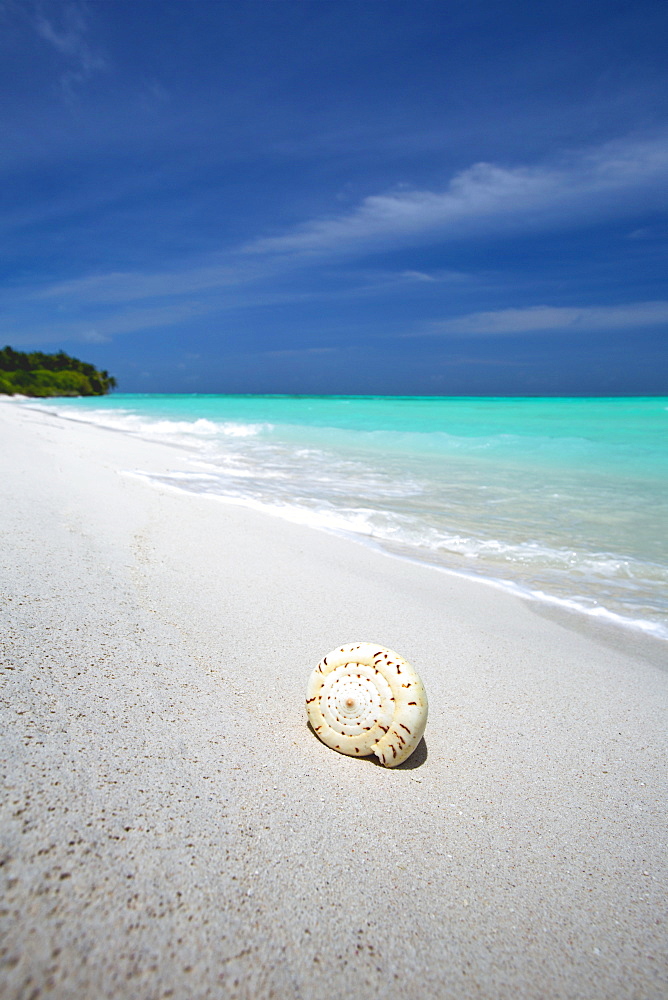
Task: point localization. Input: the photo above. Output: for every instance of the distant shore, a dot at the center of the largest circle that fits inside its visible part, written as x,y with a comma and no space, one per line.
169,822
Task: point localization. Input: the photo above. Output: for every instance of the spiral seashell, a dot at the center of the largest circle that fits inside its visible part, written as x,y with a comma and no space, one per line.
363,699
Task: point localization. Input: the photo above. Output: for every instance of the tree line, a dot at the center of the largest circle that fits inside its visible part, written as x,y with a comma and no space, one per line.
34,373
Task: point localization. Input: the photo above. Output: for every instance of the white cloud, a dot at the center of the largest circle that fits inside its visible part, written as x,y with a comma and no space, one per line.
69,37
100,329
436,277
486,199
121,286
541,319
417,276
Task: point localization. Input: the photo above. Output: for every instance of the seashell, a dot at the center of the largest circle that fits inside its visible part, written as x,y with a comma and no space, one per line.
365,699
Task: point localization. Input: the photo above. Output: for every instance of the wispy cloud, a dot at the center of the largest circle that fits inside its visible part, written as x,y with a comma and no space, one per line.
487,199
119,287
218,287
544,319
96,308
68,35
100,329
483,200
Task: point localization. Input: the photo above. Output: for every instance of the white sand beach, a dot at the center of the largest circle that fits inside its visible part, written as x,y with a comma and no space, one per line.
170,827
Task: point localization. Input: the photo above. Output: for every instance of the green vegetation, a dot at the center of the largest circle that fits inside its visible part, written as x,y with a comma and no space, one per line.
38,374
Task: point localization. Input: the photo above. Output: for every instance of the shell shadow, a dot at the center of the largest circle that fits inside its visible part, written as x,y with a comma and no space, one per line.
416,759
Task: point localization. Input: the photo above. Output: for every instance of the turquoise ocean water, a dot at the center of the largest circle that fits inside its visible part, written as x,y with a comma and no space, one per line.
563,499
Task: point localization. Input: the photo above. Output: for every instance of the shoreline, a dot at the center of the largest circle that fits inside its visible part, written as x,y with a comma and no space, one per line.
584,614
170,823
639,638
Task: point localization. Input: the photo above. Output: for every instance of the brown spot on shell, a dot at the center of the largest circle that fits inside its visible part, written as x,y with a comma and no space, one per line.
405,727
309,700
412,703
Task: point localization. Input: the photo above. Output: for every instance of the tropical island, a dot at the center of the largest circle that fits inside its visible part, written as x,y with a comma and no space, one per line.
39,374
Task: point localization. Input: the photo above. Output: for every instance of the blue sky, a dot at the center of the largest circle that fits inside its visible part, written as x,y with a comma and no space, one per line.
339,196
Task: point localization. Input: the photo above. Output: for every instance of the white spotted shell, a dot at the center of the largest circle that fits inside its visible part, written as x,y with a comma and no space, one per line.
363,699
